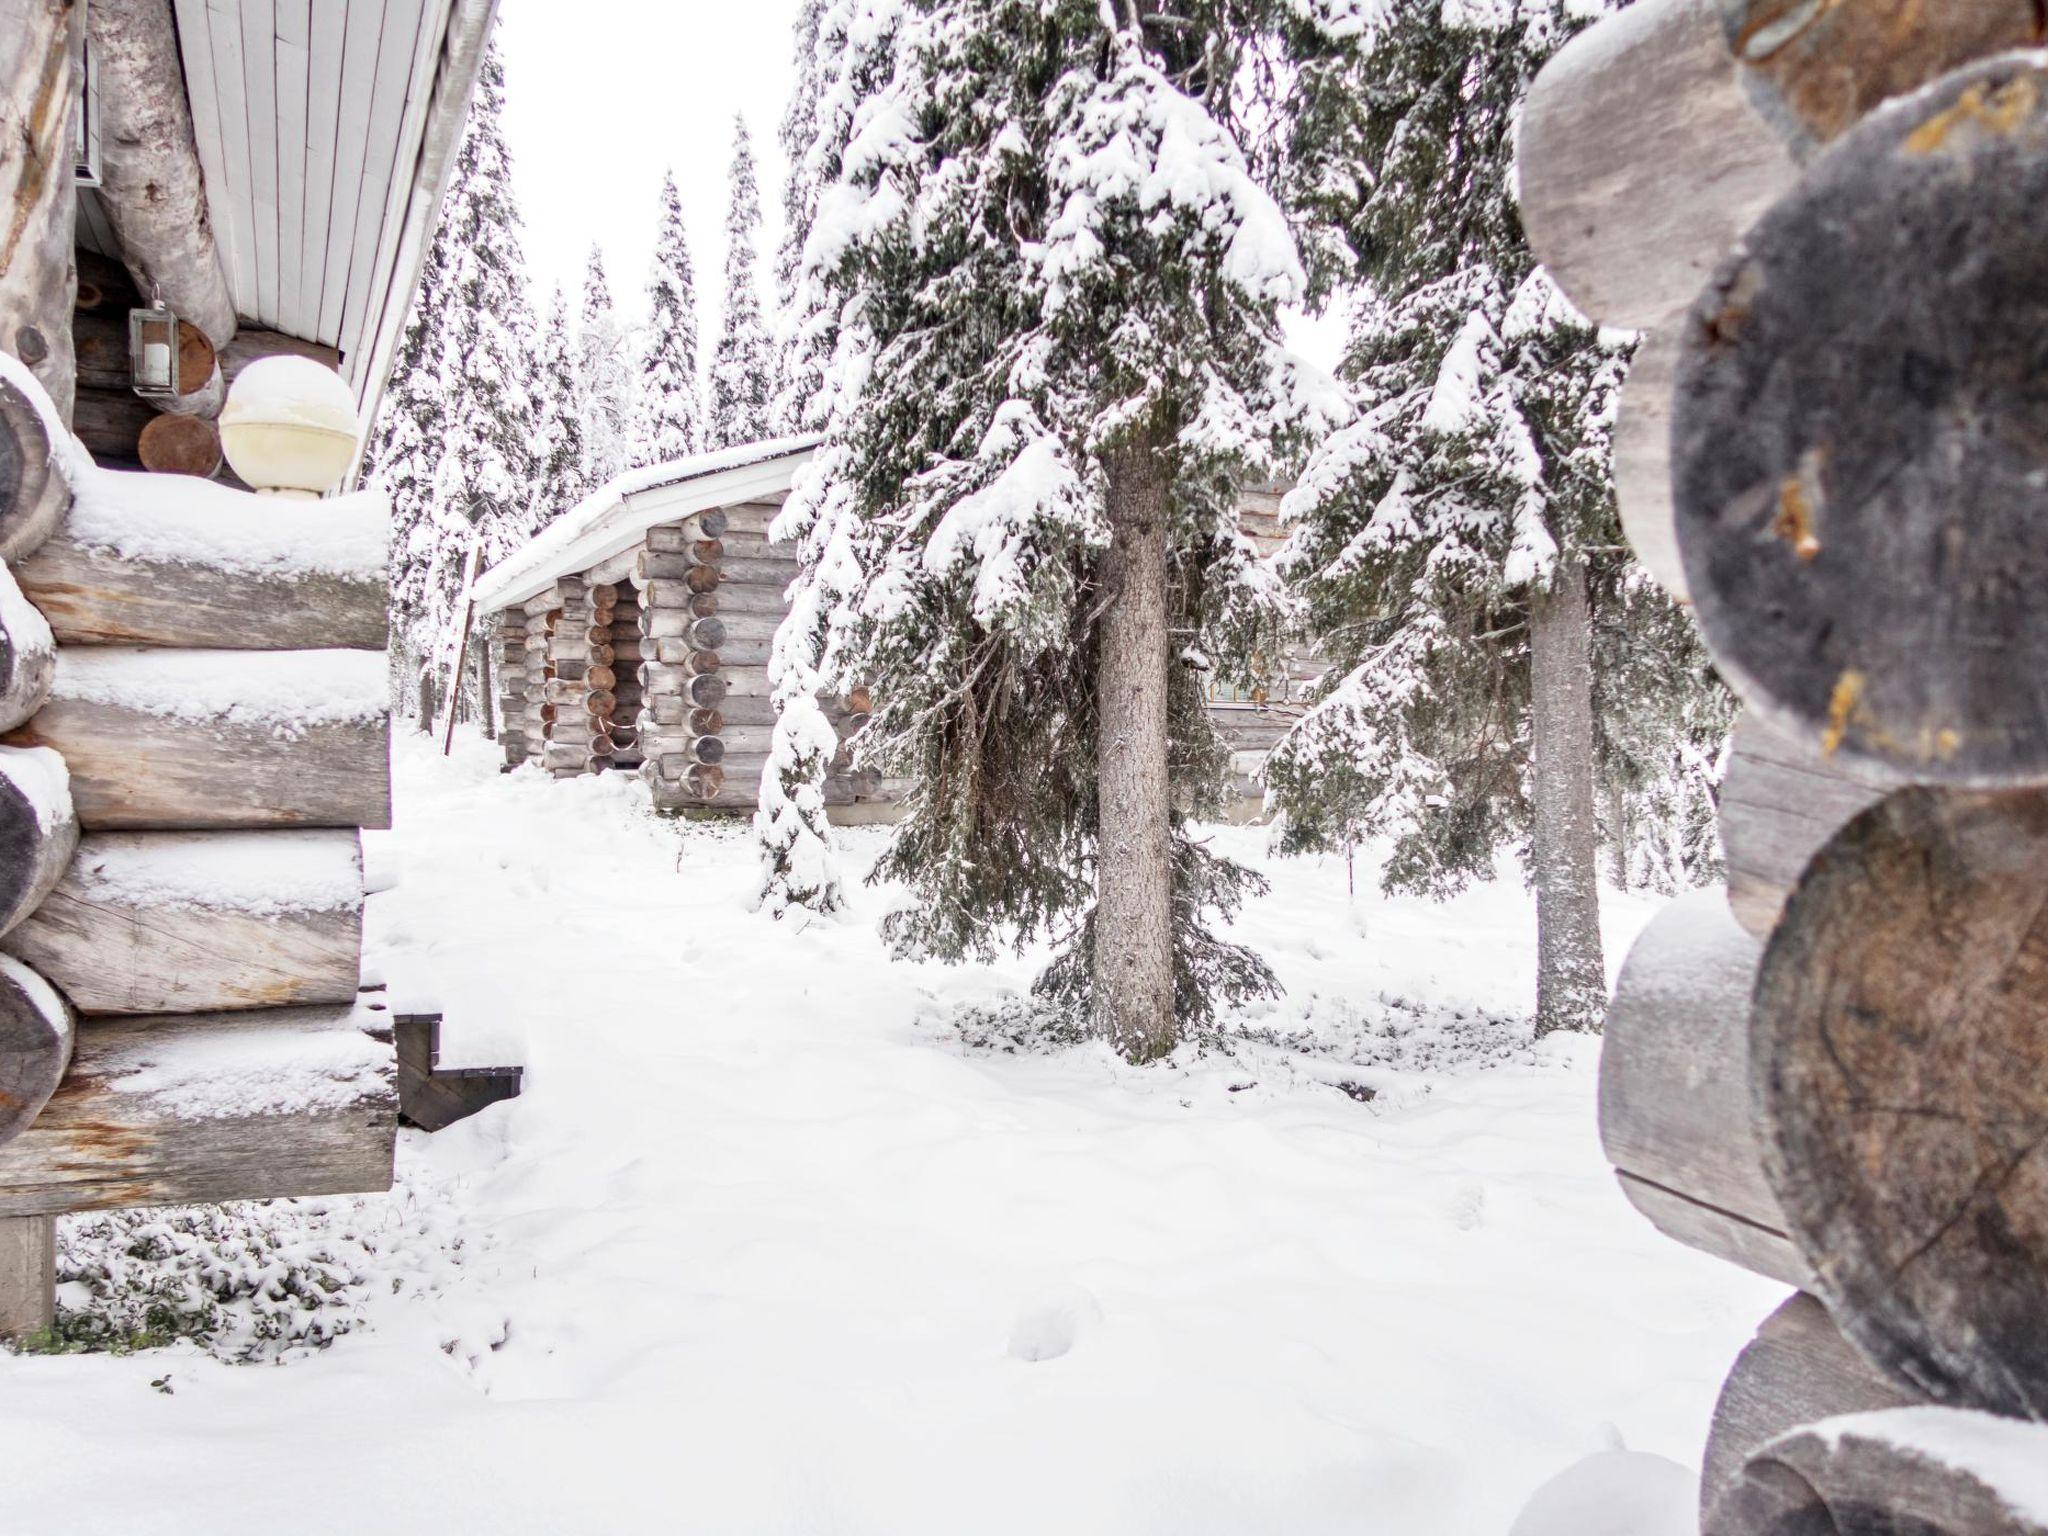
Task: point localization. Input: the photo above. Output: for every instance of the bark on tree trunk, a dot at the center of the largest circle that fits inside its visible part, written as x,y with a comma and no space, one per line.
1571,978
39,46
1133,977
1618,834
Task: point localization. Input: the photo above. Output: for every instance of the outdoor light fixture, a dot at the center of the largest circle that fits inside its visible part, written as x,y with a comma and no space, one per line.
153,351
290,428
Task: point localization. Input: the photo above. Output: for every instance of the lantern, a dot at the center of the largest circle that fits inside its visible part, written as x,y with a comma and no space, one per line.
289,427
153,352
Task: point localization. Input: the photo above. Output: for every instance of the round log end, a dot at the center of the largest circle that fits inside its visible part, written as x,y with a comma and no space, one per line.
28,655
38,829
711,524
36,1033
709,634
33,492
180,445
706,691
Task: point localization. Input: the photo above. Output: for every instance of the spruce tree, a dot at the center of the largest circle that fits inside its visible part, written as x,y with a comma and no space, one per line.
604,380
796,365
562,477
1056,286
669,427
743,364
1459,548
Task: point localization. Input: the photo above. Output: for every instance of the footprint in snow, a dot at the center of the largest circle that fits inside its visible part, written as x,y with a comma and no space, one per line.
1053,1322
1467,1205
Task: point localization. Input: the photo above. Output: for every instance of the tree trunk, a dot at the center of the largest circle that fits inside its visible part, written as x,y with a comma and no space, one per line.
1133,1003
1571,978
40,41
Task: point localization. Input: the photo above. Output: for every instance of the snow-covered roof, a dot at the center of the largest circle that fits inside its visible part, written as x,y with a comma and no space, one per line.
616,515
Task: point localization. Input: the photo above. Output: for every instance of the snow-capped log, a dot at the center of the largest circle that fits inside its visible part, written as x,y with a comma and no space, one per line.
1927,1471
1781,800
171,561
164,739
184,922
1900,1073
151,186
1674,1090
212,1107
37,1031
1642,160
41,46
1858,464
28,655
1796,1370
38,830
1642,459
37,461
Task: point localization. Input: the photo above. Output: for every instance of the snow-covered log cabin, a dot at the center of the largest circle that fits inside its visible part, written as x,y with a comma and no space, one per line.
633,633
219,210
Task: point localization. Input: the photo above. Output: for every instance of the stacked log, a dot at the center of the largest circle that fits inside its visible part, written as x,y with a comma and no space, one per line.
627,692
509,664
679,577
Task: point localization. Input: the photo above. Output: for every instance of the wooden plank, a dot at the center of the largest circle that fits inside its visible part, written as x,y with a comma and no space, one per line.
362,48
327,47
28,1275
382,149
210,1108
95,234
292,37
259,85
195,47
224,33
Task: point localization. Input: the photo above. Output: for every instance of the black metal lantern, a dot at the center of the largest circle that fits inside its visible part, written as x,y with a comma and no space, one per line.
153,352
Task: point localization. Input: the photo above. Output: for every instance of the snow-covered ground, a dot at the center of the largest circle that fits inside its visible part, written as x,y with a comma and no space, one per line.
777,1241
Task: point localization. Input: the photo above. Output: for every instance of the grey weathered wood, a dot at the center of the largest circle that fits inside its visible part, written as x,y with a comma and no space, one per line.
1899,1472
738,571
41,43
36,1034
253,941
1642,459
28,1275
38,831
671,538
1899,1062
93,595
143,1117
1642,161
1674,1089
1858,462
34,492
28,655
1781,800
1796,1370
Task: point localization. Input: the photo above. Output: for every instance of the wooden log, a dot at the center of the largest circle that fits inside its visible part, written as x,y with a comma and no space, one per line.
180,445
734,571
1816,70
38,830
677,750
678,657
693,781
28,655
1899,1057
1857,464
679,624
1642,459
251,344
749,682
1674,1090
37,1031
745,653
219,739
566,757
675,593
110,422
1781,800
209,567
677,537
748,711
209,1108
1642,161
651,571
41,45
151,186
1900,1472
1796,1370
35,489
735,600
28,1275
186,922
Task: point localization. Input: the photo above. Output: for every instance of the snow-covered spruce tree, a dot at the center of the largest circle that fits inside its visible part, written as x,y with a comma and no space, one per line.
669,410
455,445
1459,547
563,475
1058,293
797,365
605,387
743,363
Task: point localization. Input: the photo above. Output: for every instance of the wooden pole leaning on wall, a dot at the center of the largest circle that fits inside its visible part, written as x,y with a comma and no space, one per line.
1899,1066
1858,463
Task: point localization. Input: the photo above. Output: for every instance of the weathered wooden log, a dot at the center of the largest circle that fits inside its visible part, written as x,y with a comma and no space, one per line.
652,571
680,624
749,682
1797,1369
1899,1472
745,653
219,739
748,711
1642,459
35,465
187,922
1674,1090
1844,449
676,593
180,445
28,1275
675,538
1899,1056
733,571
211,1107
1642,160
41,46
110,423
141,562
675,748
28,655
676,656
36,1035
566,757
1816,70
696,781
738,600
549,604
1781,800
38,830
149,164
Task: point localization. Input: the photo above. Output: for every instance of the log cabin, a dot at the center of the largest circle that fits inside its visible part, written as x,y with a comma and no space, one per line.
218,209
633,633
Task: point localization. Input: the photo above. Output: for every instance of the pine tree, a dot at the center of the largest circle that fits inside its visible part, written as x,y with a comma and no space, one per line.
1459,548
797,366
456,437
669,427
743,364
562,477
604,380
1056,287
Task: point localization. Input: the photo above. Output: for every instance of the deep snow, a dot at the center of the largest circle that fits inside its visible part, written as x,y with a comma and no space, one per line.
767,1246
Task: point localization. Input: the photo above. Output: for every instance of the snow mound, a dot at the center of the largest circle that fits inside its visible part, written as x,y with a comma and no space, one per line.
179,520
1053,1322
288,691
1614,1493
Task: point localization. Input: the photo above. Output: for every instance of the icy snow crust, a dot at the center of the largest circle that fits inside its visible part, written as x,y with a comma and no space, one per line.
179,520
265,874
769,1246
288,691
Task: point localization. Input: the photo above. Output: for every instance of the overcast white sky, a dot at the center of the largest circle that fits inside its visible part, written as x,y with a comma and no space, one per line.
602,95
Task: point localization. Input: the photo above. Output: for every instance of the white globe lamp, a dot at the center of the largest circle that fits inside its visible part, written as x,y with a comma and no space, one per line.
289,427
